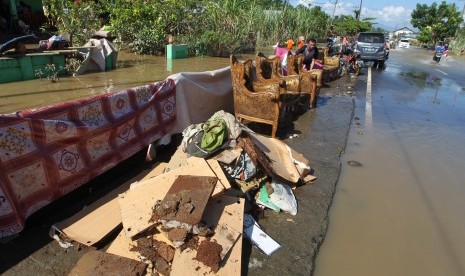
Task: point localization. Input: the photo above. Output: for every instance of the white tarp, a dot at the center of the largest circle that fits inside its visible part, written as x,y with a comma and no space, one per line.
96,56
199,95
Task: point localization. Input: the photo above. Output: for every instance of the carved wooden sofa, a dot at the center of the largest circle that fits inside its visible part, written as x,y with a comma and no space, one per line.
270,68
256,101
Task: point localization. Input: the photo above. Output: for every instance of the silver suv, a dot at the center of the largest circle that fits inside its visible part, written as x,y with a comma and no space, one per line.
371,47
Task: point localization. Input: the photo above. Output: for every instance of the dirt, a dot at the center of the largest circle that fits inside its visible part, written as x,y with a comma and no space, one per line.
177,234
208,253
192,243
186,199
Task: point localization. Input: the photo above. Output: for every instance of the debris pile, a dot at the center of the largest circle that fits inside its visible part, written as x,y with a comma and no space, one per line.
187,216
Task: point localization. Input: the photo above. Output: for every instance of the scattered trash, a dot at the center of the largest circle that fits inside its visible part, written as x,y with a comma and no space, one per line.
188,214
253,232
264,199
283,197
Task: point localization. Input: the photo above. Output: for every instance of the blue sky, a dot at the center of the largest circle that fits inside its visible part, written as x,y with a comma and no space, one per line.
389,14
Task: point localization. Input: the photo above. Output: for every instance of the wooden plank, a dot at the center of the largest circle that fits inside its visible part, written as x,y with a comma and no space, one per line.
216,168
122,245
222,210
178,159
94,222
137,203
158,169
102,263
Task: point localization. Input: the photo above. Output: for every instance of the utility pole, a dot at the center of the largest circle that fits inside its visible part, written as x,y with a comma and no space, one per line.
334,12
360,11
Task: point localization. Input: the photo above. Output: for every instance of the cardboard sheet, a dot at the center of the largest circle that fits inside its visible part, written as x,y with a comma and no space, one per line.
281,162
137,203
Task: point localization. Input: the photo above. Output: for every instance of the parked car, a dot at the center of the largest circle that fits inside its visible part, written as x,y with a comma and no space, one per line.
404,43
371,47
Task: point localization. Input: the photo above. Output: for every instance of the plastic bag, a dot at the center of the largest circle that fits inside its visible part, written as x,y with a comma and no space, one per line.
283,197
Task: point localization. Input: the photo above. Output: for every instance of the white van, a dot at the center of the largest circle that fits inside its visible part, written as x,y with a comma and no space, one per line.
404,43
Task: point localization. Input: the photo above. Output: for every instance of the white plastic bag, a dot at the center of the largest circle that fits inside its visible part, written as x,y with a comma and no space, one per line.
283,197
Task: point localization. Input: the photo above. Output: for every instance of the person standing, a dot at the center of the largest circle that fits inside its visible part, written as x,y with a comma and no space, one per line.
310,52
438,53
301,42
290,43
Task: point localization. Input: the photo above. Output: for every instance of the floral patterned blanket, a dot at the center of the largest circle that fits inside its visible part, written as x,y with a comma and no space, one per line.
45,153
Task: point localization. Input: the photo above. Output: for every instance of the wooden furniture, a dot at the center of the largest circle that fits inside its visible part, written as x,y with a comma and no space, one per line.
269,69
312,80
330,65
254,101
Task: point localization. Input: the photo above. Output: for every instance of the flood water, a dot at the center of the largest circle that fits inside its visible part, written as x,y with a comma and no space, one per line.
132,70
402,211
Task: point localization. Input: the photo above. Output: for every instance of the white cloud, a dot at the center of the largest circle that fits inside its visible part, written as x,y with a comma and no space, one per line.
387,16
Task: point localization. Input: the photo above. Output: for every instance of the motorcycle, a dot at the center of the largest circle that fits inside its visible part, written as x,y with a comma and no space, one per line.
350,63
437,56
331,47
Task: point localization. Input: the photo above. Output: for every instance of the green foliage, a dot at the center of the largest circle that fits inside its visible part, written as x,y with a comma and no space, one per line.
213,27
349,25
458,45
436,22
50,72
79,19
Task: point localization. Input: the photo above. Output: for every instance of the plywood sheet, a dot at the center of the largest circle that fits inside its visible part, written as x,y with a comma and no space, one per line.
187,198
122,245
221,210
158,169
136,204
102,263
94,222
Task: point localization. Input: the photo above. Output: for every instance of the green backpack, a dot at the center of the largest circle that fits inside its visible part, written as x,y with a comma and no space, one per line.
215,134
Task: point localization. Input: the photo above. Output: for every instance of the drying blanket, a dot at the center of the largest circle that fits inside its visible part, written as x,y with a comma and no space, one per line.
47,152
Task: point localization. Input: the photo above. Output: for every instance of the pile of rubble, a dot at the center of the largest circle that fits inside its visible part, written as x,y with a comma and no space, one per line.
188,216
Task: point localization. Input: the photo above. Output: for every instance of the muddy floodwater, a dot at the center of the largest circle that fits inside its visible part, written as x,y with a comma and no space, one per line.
402,211
132,70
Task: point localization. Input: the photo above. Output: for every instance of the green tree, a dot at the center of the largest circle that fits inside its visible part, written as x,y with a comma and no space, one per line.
349,25
79,19
436,22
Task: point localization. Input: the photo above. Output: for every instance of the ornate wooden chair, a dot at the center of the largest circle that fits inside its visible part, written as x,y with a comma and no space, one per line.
254,101
269,69
311,79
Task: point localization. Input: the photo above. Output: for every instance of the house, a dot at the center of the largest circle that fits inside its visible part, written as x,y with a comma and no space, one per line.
403,32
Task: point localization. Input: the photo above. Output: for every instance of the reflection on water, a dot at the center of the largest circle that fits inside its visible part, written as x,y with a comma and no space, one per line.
401,213
132,70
